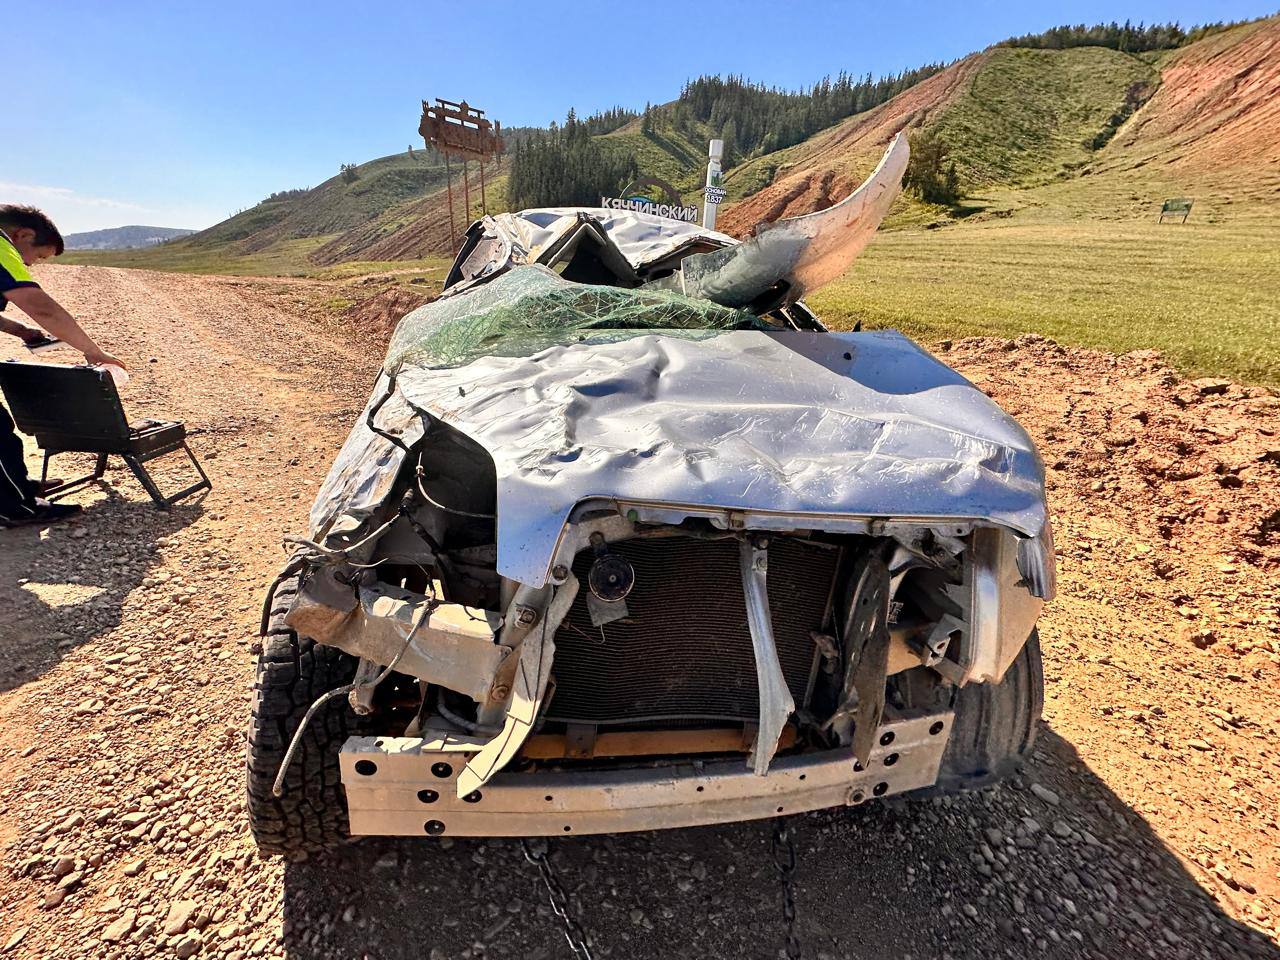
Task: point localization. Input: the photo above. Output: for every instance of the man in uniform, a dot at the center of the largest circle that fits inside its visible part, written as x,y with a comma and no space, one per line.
27,236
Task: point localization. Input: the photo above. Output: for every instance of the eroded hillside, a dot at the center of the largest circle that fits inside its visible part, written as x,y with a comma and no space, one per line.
1217,110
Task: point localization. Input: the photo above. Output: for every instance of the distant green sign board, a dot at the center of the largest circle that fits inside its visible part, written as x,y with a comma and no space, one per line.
1174,207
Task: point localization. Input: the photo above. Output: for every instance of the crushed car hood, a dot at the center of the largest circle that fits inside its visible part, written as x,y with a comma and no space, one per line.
855,424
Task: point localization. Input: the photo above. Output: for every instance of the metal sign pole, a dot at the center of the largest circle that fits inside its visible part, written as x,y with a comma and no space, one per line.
466,192
713,193
448,181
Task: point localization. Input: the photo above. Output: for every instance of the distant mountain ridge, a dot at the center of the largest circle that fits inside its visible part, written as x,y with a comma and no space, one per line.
123,238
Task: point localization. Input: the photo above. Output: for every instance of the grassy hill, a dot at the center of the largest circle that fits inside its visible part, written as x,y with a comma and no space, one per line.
1073,250
1213,123
666,153
825,168
1065,156
335,205
282,232
1012,118
1030,115
123,238
418,227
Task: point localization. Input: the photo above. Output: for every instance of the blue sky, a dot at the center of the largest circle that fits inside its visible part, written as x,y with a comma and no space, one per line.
178,114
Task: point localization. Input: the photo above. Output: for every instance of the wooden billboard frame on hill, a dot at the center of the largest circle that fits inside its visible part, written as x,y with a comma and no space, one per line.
460,130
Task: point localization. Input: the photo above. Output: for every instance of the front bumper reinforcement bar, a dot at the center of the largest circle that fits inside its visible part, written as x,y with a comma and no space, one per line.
395,787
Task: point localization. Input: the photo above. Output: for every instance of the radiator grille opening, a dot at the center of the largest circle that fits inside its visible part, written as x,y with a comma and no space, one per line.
684,653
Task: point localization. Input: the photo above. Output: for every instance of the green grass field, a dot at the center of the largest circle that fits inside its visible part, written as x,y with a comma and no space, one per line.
1205,295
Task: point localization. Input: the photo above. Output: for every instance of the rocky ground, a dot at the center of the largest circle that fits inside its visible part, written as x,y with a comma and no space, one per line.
1145,826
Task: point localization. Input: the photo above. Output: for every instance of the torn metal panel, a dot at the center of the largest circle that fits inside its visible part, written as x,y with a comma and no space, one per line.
866,425
802,253
1036,564
449,648
776,703
365,471
1001,609
533,670
322,605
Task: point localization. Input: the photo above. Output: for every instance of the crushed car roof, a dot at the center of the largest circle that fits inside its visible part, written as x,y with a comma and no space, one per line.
641,237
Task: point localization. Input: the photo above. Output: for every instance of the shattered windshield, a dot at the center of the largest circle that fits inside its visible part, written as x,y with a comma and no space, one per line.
530,308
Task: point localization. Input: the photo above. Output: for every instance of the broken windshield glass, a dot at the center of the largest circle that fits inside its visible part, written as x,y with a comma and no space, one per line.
530,308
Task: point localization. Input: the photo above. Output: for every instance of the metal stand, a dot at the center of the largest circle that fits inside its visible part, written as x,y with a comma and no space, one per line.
135,463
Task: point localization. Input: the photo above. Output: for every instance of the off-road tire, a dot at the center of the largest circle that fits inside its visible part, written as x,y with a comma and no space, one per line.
292,672
994,729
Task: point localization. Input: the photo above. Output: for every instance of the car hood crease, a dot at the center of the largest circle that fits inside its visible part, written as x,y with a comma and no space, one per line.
864,424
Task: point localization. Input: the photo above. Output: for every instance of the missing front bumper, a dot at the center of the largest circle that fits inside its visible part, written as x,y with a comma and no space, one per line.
396,788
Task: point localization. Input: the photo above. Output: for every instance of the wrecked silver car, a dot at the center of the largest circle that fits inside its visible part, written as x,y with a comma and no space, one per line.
626,539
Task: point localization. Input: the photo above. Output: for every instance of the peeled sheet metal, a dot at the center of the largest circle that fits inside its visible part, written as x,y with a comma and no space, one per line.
533,671
435,645
803,252
853,424
365,471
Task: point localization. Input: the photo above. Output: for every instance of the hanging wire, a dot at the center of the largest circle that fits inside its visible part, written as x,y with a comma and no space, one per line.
421,474
277,788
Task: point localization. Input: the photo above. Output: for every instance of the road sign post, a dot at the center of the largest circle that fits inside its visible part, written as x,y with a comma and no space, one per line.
713,194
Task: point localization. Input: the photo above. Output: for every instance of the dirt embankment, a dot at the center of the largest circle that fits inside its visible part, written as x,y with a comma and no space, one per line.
419,228
1145,825
1218,106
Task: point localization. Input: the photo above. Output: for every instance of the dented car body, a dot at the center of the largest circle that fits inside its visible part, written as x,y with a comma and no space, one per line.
625,539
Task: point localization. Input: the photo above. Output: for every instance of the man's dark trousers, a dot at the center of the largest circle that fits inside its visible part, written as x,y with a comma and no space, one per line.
17,490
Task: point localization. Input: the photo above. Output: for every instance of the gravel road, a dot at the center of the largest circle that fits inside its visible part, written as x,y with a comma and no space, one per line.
1145,826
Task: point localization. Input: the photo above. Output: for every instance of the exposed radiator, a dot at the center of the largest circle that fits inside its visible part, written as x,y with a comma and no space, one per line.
684,653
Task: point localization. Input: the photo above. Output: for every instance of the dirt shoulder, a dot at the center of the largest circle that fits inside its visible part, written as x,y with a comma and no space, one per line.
1145,826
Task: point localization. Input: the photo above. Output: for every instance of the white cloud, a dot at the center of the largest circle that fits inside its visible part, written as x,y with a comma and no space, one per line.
72,211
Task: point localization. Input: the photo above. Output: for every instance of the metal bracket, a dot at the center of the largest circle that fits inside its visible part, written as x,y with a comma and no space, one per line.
866,637
363,688
776,704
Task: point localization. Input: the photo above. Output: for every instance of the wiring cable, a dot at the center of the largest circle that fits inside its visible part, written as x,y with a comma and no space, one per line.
440,506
